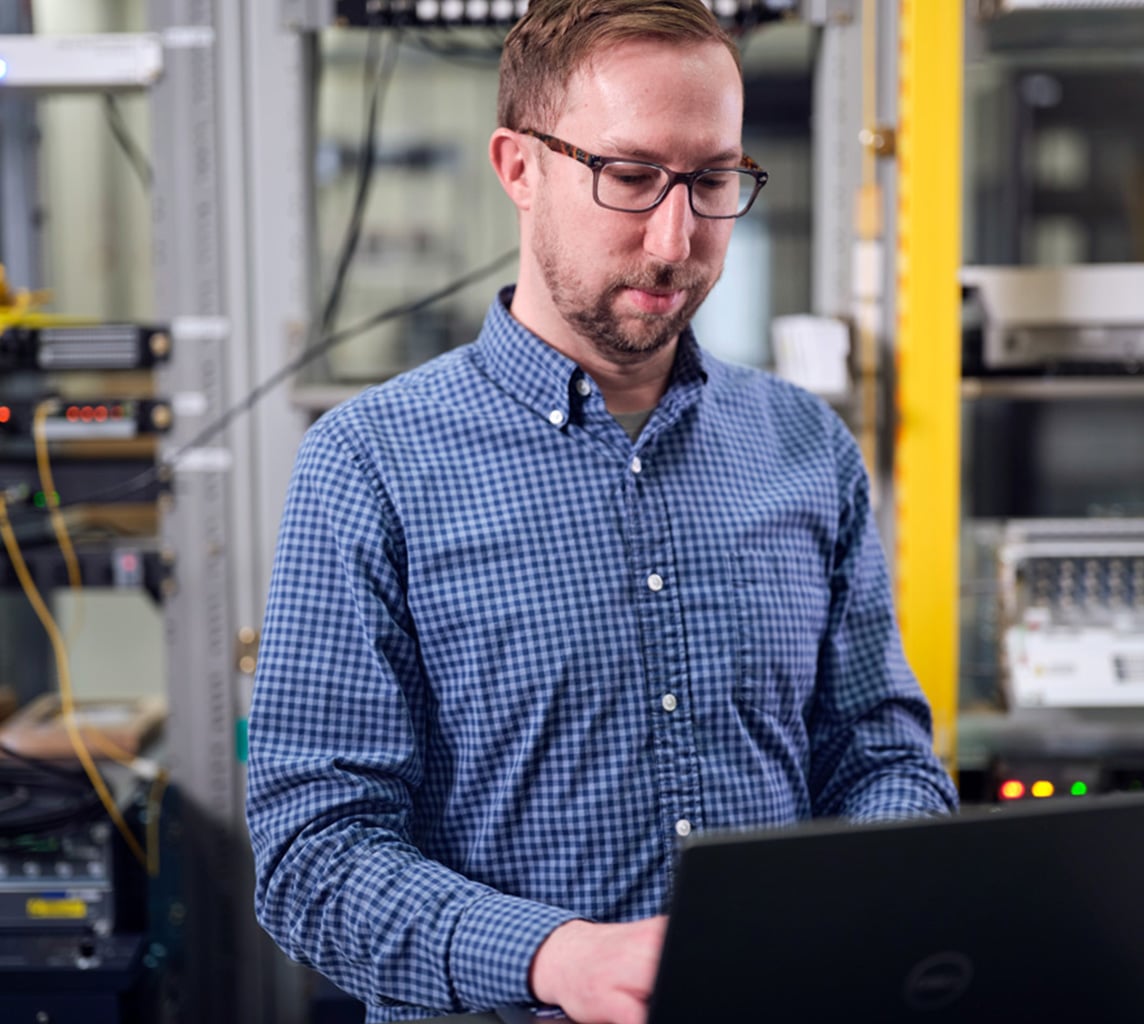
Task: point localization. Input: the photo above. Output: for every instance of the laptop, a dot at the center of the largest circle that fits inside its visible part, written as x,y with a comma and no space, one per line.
1023,912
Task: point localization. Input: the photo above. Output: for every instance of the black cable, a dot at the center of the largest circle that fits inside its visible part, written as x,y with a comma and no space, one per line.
462,52
38,764
145,478
367,160
37,795
131,149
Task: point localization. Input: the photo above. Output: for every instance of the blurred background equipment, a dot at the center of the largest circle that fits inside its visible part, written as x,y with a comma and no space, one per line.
1055,319
239,196
1072,608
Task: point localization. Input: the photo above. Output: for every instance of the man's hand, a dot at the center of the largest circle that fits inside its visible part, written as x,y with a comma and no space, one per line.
599,973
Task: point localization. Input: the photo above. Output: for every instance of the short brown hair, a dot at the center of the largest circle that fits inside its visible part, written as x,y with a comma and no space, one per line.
555,38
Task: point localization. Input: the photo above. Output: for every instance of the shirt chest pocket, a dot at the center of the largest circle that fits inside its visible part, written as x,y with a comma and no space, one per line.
780,607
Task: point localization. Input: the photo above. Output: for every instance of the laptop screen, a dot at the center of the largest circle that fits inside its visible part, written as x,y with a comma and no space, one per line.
1023,912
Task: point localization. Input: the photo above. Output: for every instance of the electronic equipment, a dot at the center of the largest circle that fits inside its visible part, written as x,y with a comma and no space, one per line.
115,481
83,347
74,902
90,420
49,882
1068,320
119,563
63,866
68,979
1072,612
457,13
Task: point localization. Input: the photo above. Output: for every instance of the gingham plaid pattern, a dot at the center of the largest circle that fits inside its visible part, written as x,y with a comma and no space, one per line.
509,656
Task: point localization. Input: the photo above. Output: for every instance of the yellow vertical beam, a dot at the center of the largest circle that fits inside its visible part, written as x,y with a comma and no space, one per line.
928,351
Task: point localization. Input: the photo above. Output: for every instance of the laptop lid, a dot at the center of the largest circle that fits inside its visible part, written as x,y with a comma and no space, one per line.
1025,912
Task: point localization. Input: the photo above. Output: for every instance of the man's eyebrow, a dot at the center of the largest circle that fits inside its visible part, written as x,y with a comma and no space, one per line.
731,156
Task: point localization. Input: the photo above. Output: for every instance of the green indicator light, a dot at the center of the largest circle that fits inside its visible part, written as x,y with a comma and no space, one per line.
1078,788
39,500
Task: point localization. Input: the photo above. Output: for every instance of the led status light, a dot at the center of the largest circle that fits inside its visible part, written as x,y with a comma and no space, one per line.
1012,789
5,411
1078,788
1043,788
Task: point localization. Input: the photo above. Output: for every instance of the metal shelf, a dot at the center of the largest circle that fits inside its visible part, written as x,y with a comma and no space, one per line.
1052,388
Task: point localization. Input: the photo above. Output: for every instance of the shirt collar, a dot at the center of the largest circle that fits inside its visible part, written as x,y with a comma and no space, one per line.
542,378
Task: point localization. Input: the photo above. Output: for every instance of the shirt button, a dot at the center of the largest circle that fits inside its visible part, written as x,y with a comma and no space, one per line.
556,417
583,387
683,828
655,582
636,464
669,702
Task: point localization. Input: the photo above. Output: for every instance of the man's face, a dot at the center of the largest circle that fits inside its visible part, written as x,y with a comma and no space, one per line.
624,283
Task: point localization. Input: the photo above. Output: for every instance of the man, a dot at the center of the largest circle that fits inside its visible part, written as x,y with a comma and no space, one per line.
552,601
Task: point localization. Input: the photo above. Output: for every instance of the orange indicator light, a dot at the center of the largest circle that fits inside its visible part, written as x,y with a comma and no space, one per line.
1012,789
5,414
1042,787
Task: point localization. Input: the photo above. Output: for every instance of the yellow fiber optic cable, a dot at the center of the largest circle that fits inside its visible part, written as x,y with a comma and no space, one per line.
67,698
48,486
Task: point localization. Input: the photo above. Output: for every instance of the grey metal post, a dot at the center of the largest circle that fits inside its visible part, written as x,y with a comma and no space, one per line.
232,251
190,282
20,241
836,158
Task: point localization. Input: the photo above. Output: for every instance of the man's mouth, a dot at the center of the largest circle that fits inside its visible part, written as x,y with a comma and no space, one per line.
656,301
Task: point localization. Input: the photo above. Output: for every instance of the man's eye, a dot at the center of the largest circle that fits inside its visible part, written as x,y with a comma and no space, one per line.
633,177
713,183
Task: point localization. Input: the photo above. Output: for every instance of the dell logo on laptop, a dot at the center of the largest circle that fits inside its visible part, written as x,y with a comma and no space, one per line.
938,981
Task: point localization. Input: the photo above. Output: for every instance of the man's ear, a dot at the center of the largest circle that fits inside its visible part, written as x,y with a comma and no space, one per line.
515,166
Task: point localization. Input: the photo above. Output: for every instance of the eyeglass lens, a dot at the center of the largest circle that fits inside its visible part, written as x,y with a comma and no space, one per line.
636,187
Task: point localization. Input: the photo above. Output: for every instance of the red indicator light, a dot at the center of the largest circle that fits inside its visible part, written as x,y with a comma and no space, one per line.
1012,789
100,413
5,414
72,413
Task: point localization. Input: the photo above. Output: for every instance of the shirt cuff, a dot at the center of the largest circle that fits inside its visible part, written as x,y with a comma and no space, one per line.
493,946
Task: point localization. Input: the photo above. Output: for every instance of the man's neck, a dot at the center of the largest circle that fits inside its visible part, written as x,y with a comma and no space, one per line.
627,386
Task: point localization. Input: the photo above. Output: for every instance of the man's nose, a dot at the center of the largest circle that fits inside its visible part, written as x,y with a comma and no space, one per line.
667,235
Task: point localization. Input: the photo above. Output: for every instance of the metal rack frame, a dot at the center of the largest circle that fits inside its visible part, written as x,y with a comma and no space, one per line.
232,250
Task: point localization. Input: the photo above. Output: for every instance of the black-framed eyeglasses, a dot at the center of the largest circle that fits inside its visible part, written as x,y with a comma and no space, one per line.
635,186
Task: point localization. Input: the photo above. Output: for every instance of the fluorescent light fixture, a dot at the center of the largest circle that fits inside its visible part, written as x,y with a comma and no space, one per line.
105,61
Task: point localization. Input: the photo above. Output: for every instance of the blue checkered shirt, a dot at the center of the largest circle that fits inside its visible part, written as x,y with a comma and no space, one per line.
511,656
